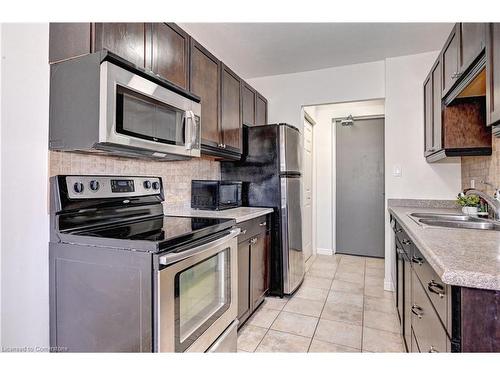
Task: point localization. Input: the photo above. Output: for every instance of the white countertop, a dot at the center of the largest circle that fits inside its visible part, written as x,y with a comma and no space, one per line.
462,257
240,214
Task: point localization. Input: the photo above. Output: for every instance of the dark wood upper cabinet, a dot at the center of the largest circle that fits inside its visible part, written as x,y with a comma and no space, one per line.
205,82
249,96
170,53
437,143
450,60
260,110
231,110
428,116
67,40
493,73
472,43
127,40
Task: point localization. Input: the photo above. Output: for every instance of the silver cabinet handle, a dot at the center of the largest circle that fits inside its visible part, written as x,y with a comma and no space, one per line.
406,242
399,230
253,241
436,288
263,224
418,311
432,349
417,260
243,231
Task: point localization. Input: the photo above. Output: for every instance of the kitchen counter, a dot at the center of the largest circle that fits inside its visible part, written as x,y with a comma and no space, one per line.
462,257
240,214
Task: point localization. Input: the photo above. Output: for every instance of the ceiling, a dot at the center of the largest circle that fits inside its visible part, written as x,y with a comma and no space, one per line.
262,49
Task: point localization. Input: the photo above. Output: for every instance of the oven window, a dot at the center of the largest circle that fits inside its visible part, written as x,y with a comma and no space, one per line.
228,194
202,295
144,117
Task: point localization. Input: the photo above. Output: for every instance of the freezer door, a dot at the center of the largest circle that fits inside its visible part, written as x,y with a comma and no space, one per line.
289,149
291,231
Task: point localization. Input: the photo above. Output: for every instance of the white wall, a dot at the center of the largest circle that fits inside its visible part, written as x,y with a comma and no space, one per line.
24,195
287,93
404,140
324,154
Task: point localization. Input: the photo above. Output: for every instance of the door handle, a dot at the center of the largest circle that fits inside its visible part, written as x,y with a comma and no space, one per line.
253,241
418,311
432,349
417,260
436,288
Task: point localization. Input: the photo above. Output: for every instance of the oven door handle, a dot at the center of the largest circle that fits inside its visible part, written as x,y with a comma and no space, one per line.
167,259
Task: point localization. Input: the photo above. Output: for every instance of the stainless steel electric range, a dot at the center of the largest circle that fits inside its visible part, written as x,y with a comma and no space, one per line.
124,277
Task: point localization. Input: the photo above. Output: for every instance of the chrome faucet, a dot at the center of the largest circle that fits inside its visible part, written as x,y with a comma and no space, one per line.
493,202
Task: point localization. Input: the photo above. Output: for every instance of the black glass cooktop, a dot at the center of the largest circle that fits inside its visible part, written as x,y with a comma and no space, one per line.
167,230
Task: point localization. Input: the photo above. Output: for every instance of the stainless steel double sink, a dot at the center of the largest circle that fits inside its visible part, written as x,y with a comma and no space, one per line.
454,221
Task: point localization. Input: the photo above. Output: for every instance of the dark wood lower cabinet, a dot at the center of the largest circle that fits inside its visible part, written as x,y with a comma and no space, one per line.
440,317
253,266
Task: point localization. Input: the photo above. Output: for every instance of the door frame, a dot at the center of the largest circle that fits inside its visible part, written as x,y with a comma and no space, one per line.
312,122
334,171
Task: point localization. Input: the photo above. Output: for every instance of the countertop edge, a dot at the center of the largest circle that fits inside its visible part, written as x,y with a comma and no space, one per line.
226,214
476,280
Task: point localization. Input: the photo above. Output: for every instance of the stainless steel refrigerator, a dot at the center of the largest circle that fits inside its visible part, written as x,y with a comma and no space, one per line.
270,171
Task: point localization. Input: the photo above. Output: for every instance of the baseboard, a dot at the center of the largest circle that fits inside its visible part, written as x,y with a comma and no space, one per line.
321,251
389,285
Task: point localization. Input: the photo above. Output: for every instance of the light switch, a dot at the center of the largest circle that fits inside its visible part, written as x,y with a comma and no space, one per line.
397,171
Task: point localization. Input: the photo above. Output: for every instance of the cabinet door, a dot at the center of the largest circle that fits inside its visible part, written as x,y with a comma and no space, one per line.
230,110
472,42
258,262
127,40
493,73
243,279
170,53
260,110
450,57
248,104
428,116
436,107
407,298
205,82
67,40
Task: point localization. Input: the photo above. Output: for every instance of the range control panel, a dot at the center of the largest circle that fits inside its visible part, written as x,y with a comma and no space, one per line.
88,187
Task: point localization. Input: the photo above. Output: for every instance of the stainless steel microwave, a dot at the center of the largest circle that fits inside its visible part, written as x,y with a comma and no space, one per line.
98,105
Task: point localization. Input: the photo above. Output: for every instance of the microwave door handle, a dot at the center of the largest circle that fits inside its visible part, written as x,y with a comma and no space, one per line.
194,131
170,258
189,122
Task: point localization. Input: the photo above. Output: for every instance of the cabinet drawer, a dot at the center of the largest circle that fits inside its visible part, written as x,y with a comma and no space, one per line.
252,228
404,240
429,332
436,290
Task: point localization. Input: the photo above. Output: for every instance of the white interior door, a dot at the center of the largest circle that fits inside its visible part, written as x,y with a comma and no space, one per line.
307,181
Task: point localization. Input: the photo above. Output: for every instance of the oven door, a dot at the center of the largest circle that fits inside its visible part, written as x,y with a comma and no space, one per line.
136,112
197,297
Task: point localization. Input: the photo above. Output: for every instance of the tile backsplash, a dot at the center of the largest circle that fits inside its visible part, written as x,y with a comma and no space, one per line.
482,168
176,175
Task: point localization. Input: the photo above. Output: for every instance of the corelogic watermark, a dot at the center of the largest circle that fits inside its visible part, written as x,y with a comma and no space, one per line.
34,349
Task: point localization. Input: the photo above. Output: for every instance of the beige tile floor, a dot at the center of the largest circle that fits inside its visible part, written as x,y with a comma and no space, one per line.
340,307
